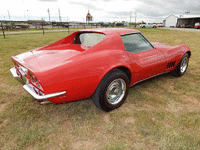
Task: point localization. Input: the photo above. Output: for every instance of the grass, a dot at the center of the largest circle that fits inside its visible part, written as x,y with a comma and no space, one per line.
160,113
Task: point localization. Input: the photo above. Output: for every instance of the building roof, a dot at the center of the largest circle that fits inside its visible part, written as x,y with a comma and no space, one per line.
170,16
189,16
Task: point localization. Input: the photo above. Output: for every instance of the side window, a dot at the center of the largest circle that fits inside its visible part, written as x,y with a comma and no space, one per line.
88,39
135,43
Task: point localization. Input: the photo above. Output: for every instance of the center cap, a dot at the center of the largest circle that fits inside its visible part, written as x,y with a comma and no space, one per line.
116,91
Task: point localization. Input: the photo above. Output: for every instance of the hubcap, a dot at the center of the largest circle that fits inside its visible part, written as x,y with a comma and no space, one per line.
184,64
116,91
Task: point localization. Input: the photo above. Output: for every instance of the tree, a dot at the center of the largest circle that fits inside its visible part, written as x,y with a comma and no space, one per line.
143,22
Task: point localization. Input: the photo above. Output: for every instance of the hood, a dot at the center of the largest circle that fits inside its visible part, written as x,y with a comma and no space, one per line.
163,46
41,60
158,44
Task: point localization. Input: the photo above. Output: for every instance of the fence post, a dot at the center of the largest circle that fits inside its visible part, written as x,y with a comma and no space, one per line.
3,30
42,26
68,27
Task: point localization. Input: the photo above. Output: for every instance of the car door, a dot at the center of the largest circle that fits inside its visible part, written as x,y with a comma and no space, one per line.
146,61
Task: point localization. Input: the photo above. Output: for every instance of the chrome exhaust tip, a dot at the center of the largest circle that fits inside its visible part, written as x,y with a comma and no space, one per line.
43,101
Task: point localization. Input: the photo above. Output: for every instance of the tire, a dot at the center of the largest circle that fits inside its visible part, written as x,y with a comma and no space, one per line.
112,90
182,66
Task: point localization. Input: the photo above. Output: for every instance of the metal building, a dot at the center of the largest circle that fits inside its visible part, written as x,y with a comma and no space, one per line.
188,21
170,21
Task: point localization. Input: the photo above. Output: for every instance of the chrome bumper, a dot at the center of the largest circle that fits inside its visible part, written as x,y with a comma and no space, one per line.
30,88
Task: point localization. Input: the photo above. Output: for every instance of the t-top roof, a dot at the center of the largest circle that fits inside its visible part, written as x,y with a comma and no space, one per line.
121,31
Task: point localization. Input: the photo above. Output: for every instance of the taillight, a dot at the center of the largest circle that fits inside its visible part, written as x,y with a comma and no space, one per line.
32,77
34,80
23,70
38,84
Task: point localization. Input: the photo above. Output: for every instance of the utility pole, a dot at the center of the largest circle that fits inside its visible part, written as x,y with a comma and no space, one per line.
135,18
49,14
8,14
24,15
130,18
59,14
27,15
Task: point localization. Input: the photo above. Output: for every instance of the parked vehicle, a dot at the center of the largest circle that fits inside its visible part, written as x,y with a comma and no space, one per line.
105,24
98,63
197,25
186,26
160,25
148,25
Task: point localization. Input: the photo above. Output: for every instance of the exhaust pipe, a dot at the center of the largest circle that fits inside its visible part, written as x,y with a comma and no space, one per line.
43,101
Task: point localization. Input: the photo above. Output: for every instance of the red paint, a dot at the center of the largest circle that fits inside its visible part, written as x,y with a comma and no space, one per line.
197,25
78,69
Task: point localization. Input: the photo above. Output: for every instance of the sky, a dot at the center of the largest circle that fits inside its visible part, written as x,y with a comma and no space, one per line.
101,10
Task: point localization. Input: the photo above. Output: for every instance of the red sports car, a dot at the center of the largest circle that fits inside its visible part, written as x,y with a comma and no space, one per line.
97,63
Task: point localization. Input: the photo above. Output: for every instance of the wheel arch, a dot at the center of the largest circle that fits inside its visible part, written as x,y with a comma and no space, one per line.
189,53
126,70
123,68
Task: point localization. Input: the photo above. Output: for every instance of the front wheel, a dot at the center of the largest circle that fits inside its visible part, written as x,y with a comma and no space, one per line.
182,66
112,90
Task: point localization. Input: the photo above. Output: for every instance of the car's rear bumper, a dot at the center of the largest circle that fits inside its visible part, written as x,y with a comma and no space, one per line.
31,89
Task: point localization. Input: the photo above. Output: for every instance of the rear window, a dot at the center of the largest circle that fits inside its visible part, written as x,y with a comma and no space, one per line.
89,39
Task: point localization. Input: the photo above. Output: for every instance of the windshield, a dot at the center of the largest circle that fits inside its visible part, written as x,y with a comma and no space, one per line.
89,39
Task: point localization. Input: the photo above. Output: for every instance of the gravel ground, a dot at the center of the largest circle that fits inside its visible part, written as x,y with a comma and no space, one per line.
184,29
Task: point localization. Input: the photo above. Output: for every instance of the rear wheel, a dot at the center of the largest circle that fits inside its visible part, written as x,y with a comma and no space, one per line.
182,66
112,90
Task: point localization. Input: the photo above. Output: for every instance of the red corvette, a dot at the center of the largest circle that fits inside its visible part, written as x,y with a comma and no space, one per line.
98,63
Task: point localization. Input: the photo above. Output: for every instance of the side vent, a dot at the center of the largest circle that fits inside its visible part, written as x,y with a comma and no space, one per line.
171,64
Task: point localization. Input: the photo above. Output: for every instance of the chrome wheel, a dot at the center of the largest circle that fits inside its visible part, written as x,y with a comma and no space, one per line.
116,91
112,91
184,64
